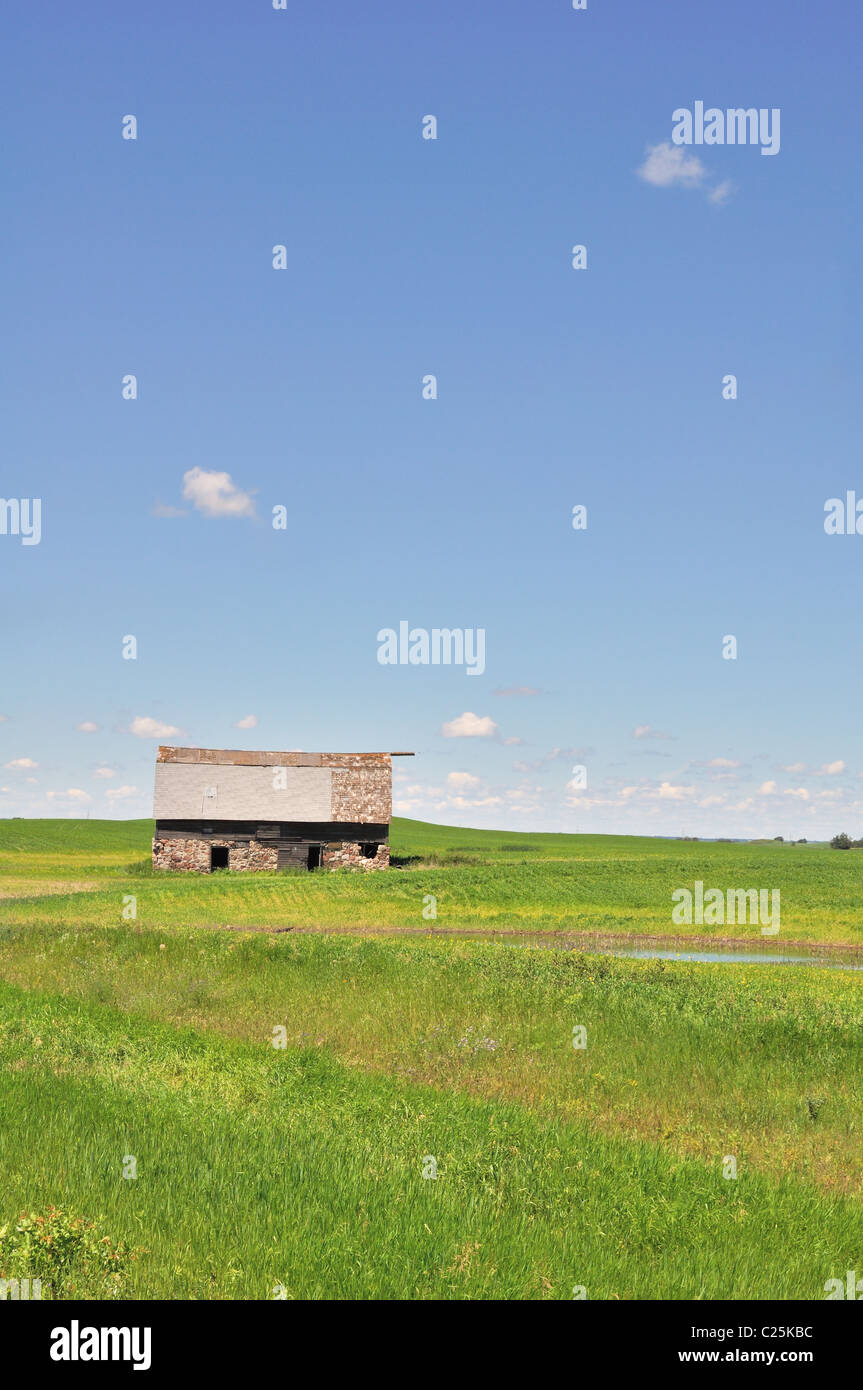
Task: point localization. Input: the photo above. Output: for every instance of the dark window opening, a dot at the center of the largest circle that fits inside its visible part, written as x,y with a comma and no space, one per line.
314,859
218,857
368,851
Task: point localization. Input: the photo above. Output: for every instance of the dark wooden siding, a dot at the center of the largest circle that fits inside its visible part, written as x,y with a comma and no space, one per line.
297,832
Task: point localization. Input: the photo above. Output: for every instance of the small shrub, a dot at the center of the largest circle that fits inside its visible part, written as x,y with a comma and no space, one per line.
67,1253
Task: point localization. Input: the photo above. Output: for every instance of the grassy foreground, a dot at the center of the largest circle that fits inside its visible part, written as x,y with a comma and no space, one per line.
308,1166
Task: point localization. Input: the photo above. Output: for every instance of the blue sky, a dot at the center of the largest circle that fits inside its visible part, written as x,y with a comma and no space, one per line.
556,387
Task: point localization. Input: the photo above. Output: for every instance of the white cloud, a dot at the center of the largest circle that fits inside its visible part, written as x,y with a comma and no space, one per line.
666,791
647,731
120,793
462,781
767,789
469,725
70,794
799,792
104,772
512,742
249,721
21,762
723,762
794,767
88,727
216,494
666,164
831,769
142,726
4,718
721,193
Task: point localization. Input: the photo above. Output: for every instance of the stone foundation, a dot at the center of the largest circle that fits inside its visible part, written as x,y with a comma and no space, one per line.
346,855
193,856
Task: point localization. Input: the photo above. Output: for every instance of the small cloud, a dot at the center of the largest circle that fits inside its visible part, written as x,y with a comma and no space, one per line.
668,792
723,762
666,165
120,793
144,727
831,769
512,742
767,789
4,719
104,772
21,762
70,794
88,727
469,725
462,781
216,494
163,509
647,731
249,721
721,193
517,690
794,767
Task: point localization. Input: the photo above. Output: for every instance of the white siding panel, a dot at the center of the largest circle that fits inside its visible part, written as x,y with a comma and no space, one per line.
242,793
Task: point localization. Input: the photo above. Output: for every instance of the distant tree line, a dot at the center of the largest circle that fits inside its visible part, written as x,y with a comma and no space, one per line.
844,841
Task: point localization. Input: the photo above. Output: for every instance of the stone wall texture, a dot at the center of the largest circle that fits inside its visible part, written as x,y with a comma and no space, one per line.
362,794
350,856
193,856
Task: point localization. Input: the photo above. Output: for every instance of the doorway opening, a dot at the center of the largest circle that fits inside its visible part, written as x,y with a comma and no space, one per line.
218,857
314,859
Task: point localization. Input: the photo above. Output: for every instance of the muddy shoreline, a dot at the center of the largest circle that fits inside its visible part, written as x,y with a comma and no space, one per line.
663,940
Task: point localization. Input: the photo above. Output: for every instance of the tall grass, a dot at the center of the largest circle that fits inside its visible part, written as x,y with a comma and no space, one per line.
709,1059
258,1168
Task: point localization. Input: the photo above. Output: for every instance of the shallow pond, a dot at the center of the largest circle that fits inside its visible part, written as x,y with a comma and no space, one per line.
754,954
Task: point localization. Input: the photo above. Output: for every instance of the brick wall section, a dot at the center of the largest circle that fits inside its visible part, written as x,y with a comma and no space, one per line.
193,856
350,856
362,794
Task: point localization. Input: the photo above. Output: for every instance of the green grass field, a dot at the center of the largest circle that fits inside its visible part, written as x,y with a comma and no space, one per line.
62,873
302,1166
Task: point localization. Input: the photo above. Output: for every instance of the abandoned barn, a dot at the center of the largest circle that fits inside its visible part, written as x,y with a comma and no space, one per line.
219,808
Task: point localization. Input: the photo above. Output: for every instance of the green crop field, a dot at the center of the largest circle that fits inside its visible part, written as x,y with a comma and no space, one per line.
57,873
371,1111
